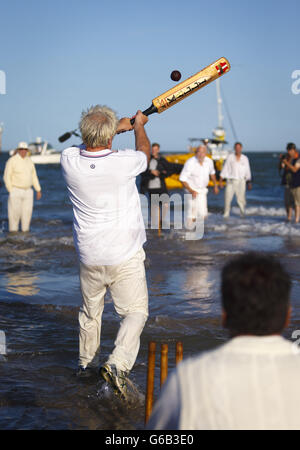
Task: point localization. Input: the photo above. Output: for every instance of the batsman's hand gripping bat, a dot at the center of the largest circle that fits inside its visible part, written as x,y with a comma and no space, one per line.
187,87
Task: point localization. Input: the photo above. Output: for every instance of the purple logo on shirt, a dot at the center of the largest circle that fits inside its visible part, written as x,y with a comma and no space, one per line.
92,166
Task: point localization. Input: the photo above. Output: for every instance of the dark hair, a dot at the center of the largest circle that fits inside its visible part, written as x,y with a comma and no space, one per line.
238,143
155,144
291,146
255,295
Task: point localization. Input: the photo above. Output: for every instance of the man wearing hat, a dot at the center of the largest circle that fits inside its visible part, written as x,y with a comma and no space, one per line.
19,177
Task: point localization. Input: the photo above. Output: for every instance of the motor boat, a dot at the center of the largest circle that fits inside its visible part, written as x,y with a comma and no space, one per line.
41,152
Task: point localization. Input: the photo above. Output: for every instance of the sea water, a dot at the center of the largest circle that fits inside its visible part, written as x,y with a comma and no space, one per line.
40,298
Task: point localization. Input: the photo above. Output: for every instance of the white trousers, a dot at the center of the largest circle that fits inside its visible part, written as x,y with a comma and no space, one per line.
197,207
128,287
20,205
237,188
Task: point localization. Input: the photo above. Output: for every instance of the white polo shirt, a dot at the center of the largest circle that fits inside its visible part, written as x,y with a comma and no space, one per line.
196,174
236,170
108,225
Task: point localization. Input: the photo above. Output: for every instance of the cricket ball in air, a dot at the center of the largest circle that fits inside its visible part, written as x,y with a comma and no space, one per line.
175,75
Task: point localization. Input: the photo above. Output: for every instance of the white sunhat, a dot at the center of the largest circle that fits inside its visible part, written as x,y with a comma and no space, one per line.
22,145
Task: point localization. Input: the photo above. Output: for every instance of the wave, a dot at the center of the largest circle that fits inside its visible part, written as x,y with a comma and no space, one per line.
253,227
261,211
35,241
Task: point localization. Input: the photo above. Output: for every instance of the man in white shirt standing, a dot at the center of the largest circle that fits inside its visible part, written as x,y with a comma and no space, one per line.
19,177
252,381
195,177
109,235
237,172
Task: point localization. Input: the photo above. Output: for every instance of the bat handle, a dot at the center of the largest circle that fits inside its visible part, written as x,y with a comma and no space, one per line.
67,136
151,110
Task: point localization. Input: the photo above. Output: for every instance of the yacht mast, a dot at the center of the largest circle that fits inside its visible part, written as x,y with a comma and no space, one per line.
219,103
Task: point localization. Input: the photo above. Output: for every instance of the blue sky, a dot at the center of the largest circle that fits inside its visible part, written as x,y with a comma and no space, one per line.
60,57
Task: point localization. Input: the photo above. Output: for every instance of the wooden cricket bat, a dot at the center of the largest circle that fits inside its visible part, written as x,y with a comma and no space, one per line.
188,87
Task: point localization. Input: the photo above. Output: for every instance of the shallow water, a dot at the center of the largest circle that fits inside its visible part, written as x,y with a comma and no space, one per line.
40,298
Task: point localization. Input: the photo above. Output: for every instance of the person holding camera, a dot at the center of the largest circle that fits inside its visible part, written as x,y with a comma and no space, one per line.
292,162
153,179
153,183
286,180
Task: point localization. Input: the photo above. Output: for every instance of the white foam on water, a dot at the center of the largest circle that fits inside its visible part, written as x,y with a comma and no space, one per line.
261,211
259,221
134,395
256,227
279,229
66,241
228,252
36,241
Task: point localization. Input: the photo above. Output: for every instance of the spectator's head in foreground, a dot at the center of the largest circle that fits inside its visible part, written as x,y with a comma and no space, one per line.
255,296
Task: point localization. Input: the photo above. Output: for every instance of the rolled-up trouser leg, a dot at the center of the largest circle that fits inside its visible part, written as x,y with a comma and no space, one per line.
93,290
130,297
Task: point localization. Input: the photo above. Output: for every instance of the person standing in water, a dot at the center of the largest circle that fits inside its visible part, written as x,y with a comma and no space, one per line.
294,166
237,173
109,234
286,181
195,176
19,178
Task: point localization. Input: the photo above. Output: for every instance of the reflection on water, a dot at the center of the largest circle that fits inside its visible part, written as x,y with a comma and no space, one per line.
198,288
21,283
19,263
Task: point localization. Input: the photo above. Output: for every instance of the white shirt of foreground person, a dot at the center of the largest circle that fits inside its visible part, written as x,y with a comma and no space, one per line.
236,169
196,174
108,223
250,382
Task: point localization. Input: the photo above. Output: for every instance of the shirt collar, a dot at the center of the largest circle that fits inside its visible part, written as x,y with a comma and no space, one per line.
98,154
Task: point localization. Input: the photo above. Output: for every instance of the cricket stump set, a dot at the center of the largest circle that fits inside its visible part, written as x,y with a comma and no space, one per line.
163,371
